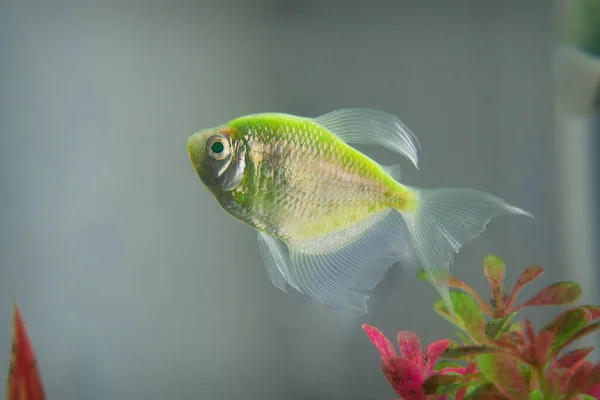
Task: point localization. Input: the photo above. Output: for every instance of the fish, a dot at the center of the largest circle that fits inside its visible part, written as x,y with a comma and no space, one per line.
330,220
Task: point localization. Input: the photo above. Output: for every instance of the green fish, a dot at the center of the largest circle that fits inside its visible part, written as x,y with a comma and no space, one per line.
331,221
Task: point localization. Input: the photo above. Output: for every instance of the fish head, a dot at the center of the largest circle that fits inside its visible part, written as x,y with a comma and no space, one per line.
218,159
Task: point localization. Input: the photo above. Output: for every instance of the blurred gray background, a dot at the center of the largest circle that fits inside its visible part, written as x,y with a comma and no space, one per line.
132,281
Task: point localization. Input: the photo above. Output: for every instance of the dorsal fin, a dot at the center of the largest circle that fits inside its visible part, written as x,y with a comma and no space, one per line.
365,126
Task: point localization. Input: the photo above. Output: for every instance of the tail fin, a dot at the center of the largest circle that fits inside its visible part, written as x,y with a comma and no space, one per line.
443,221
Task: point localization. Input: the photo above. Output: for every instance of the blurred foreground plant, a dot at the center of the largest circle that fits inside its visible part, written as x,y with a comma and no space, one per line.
506,360
23,381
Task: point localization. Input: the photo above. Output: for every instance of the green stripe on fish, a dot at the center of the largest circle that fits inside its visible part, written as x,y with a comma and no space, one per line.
330,220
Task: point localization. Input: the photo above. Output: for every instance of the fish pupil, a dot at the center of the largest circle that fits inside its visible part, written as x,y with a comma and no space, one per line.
217,147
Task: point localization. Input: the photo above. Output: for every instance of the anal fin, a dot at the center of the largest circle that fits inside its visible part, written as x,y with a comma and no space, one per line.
276,261
361,256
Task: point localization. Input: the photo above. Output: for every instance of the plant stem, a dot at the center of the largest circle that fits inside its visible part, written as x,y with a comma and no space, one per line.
539,372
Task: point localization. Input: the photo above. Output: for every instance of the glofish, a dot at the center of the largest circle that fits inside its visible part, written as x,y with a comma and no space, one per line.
330,220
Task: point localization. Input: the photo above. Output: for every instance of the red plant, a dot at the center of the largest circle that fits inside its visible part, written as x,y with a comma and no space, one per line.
23,381
510,360
407,371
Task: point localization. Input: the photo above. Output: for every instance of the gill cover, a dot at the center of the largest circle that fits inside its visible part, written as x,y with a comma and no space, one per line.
219,161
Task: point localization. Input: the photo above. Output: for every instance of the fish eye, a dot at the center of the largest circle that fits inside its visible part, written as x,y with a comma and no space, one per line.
217,147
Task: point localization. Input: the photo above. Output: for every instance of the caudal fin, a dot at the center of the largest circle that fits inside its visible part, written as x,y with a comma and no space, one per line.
443,221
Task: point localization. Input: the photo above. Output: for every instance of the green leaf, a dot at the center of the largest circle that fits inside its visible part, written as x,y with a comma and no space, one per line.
441,364
440,308
447,384
454,282
498,326
461,352
553,295
470,315
536,395
504,373
494,268
486,391
580,334
464,338
566,326
525,373
517,326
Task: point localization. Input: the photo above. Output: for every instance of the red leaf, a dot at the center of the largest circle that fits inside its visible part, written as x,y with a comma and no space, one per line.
529,332
24,381
544,342
553,295
456,370
592,380
578,379
594,310
563,368
529,275
410,346
513,341
572,358
405,376
435,350
382,343
594,392
460,393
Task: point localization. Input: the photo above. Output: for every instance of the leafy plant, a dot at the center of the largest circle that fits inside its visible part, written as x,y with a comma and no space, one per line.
506,359
23,381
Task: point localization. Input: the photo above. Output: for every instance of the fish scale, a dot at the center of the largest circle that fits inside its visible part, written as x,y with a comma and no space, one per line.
324,186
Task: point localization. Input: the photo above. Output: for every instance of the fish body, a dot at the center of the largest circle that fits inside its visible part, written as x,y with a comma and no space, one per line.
300,181
331,220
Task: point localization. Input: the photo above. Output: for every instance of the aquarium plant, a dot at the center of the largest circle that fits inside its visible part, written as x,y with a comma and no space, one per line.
24,382
497,355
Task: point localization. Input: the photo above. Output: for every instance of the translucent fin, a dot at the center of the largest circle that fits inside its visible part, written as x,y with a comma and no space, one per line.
276,261
444,220
334,268
365,126
394,171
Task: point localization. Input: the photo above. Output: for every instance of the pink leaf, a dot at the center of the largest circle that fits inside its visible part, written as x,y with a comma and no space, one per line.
435,350
410,346
405,376
382,343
